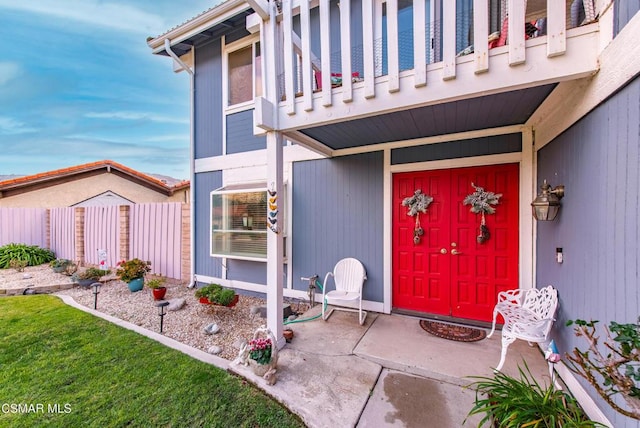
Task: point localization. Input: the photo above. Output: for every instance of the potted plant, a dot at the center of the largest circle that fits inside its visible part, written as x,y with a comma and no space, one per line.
132,272
217,295
158,290
262,354
89,276
511,402
64,266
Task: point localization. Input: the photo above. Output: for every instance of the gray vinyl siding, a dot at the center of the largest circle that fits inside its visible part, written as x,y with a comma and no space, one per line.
247,271
205,264
598,161
624,10
337,213
240,136
509,143
208,100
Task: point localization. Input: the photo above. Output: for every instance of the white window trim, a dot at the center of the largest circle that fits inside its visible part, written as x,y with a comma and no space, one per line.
248,188
228,48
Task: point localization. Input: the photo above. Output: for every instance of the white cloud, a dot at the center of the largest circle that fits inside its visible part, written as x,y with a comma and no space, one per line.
8,71
9,126
134,115
117,16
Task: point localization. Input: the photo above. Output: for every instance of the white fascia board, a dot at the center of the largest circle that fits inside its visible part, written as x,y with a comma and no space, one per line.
199,24
261,7
256,158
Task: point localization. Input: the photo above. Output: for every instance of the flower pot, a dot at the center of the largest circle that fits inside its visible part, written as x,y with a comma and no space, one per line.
206,301
260,369
135,284
158,293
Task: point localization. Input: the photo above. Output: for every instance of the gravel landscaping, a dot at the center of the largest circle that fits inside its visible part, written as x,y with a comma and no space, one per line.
185,325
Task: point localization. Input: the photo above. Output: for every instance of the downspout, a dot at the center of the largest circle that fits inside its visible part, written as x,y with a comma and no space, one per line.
192,160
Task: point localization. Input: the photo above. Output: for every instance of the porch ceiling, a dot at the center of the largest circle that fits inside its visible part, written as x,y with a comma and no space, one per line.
491,111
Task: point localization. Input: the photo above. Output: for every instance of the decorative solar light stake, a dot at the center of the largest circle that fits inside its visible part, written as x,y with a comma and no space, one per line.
96,291
162,312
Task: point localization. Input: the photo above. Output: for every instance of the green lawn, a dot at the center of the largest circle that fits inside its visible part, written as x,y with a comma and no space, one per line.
63,367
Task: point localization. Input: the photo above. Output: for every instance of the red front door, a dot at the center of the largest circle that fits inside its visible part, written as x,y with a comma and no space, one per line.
449,273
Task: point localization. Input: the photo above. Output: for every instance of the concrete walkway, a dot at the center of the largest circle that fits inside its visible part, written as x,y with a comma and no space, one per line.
387,373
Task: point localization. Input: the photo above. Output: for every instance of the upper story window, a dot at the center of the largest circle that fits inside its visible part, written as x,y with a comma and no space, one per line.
244,72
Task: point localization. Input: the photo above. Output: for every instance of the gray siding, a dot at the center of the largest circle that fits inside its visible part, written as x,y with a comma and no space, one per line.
598,161
509,143
208,100
204,184
243,270
624,10
337,213
240,136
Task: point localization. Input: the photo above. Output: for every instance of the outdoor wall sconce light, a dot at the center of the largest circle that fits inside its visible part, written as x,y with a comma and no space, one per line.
96,291
546,205
162,312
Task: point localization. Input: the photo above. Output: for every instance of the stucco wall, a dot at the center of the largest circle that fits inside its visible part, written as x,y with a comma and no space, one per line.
73,192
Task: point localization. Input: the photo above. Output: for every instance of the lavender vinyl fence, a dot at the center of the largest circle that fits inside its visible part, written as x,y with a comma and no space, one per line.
23,226
158,232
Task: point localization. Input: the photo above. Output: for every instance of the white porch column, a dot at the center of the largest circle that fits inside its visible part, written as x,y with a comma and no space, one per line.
275,243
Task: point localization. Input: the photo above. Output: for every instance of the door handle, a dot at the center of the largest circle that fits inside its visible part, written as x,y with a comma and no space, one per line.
443,251
455,252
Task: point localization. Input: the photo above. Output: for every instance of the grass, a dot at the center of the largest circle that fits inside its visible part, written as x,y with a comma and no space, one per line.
74,369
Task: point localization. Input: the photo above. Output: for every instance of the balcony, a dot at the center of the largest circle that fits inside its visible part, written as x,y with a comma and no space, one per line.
399,59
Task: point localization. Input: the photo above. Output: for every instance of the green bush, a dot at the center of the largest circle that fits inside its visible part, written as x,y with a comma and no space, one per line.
32,254
508,402
216,294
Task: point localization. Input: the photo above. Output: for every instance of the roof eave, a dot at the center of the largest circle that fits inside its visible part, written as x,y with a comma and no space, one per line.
198,24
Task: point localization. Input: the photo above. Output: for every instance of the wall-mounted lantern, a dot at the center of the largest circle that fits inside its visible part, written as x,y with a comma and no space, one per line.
546,205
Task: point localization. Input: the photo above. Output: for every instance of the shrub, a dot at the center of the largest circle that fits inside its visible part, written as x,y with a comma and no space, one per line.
129,270
32,254
216,294
90,273
156,282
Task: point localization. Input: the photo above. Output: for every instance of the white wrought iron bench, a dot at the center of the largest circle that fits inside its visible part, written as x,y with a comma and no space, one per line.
528,315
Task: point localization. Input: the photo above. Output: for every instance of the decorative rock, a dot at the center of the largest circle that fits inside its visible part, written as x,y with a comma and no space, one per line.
254,310
292,317
215,350
239,343
212,328
176,304
27,276
286,311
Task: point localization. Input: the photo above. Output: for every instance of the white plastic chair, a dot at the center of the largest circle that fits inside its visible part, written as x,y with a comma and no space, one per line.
528,315
349,276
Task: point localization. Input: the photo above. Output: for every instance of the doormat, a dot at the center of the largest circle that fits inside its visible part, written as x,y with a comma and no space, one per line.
458,333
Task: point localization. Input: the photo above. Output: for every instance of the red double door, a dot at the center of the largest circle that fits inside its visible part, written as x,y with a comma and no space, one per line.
449,272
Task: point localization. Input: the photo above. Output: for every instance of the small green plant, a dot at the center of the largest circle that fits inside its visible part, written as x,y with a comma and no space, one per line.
18,265
617,372
523,402
156,282
63,266
90,273
215,293
129,270
32,254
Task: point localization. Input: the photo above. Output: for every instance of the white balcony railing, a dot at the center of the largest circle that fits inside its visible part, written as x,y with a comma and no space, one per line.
402,58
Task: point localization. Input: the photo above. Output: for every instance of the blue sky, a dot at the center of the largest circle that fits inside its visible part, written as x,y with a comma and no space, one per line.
79,84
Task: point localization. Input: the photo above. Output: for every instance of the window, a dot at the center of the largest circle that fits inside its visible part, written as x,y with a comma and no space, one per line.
239,223
244,74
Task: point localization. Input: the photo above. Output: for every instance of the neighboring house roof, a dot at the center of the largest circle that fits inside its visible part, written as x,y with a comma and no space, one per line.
42,180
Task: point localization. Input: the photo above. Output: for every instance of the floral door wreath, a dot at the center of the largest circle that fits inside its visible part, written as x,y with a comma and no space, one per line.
417,204
481,202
